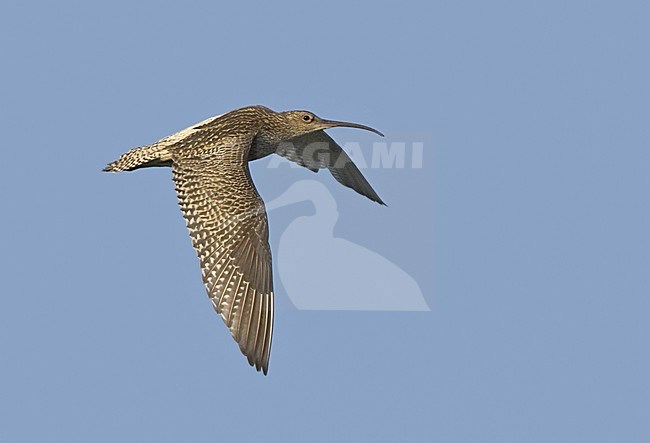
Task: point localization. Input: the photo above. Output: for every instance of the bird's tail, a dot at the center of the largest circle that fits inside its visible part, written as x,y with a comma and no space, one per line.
143,157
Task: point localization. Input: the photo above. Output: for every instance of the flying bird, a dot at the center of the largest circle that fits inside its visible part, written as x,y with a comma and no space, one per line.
224,213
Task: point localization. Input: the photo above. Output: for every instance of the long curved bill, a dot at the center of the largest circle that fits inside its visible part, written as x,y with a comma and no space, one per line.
333,124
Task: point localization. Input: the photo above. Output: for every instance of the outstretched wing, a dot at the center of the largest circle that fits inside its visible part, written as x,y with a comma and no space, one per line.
317,150
227,222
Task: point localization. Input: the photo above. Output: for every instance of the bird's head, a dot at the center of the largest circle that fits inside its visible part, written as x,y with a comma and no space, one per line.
292,124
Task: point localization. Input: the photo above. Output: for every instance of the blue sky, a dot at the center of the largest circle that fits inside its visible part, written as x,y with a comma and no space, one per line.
526,228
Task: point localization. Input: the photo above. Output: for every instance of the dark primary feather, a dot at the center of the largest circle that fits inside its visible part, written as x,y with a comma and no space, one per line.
317,150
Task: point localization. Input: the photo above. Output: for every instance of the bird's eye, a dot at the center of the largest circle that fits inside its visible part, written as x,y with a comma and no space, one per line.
307,118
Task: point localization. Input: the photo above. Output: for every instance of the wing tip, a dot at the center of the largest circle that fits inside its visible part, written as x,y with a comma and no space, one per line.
380,201
259,366
259,362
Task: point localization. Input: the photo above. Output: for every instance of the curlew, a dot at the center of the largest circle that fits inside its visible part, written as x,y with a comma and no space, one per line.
224,213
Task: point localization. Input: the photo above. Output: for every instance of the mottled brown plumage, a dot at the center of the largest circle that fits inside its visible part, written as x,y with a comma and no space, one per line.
224,213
